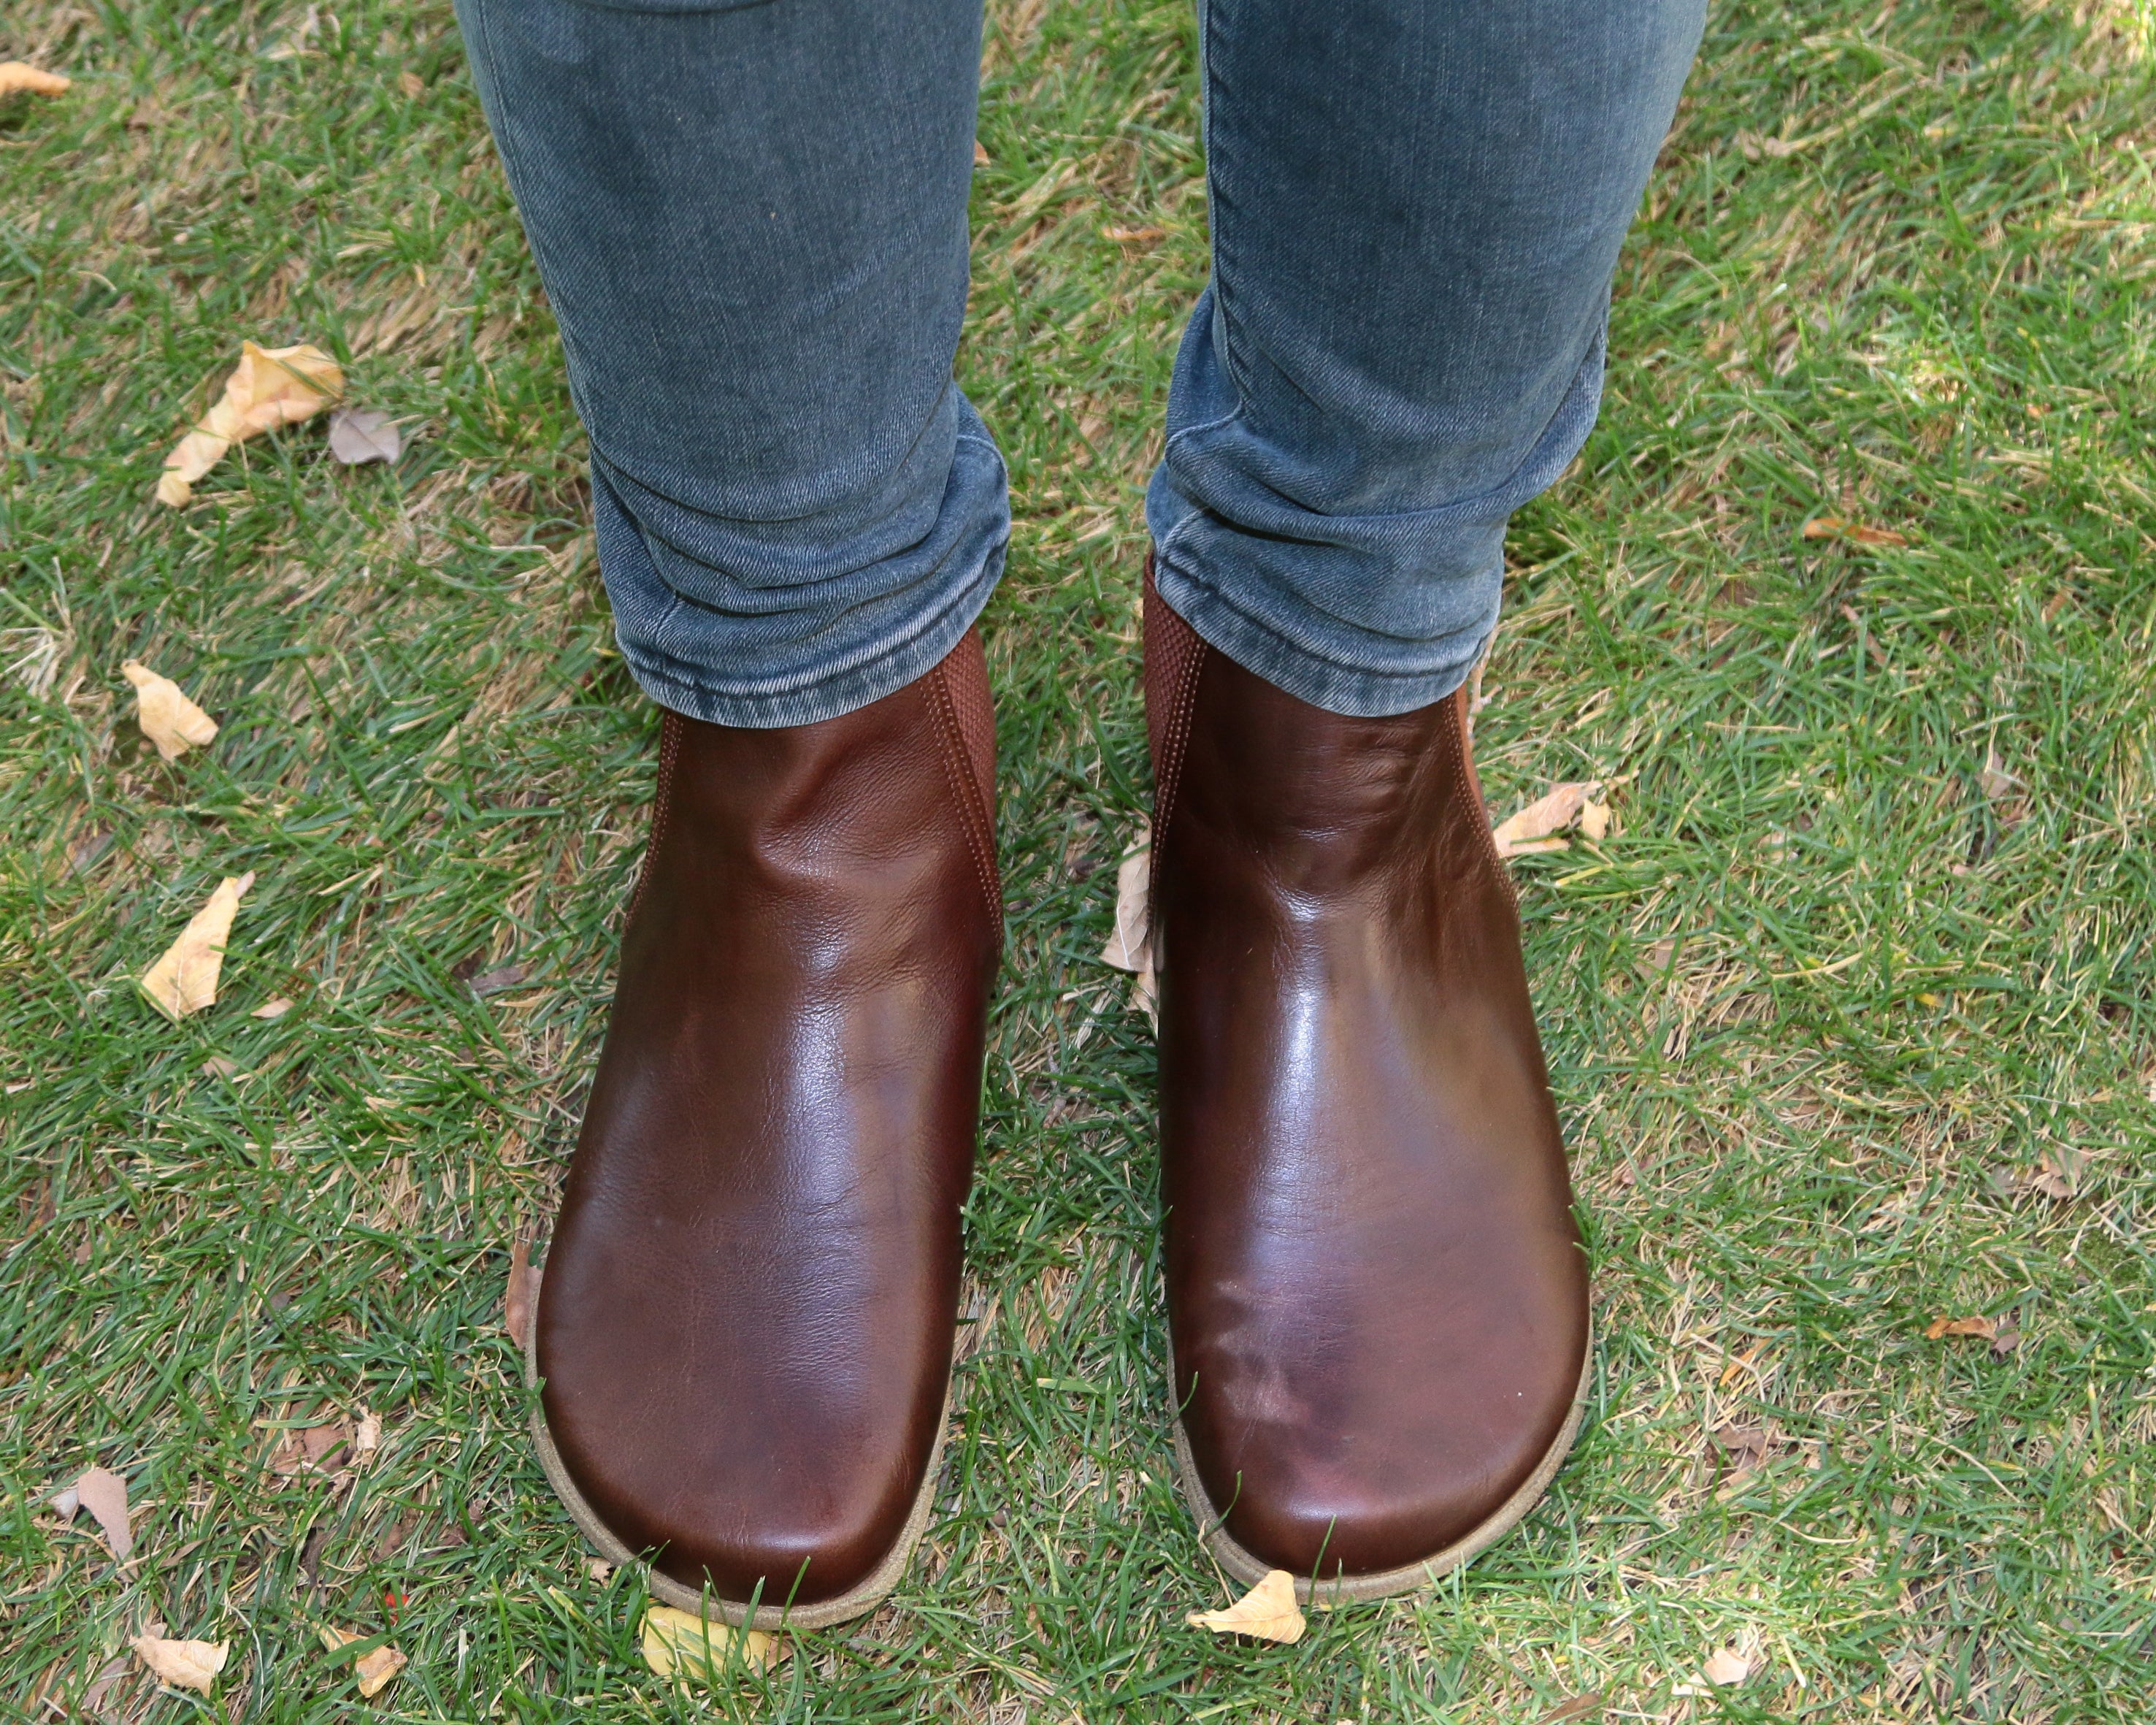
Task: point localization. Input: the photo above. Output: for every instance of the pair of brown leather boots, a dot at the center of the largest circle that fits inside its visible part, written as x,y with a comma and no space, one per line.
1376,1293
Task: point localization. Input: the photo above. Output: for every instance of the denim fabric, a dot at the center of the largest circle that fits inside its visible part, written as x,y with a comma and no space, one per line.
751,221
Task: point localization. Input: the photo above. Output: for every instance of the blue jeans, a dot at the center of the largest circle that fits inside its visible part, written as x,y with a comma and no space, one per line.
750,216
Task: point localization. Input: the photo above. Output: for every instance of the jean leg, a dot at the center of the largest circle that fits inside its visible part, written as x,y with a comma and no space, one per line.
1416,211
750,216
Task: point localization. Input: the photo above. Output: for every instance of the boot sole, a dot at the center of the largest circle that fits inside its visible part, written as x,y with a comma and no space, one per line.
856,1602
1508,1515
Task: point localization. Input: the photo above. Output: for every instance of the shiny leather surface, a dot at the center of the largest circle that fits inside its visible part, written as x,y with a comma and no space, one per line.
1376,1291
745,1326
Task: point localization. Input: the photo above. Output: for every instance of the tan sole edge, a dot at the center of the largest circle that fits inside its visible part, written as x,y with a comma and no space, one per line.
856,1602
1508,1515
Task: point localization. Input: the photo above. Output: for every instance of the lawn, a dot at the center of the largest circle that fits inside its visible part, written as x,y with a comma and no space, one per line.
1849,600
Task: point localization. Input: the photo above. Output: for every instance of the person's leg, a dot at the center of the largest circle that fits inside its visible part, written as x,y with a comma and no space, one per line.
751,221
751,224
1377,1297
1416,207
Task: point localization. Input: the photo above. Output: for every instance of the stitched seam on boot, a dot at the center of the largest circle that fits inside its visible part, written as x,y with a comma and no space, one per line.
662,801
965,788
1174,742
1454,732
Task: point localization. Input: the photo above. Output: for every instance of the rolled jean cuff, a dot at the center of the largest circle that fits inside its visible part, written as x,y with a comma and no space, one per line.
1365,612
761,625
684,689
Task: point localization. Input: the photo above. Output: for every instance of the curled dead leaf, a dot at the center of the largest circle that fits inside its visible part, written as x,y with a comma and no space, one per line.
16,76
1833,527
1268,1612
2002,1332
184,1665
184,980
680,1645
375,1669
168,719
521,1295
269,386
104,1495
1531,829
1130,943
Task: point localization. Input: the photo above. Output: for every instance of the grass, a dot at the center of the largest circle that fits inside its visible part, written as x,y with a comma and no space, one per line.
1848,1036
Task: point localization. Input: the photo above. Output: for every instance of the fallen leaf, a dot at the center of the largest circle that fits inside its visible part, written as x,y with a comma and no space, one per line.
521,1295
1529,831
1746,1445
1997,784
1960,1326
411,84
1130,946
360,434
497,981
65,1503
276,1008
15,75
104,1495
86,853
185,1665
2005,1337
679,1644
100,1685
1134,236
270,386
184,980
374,1670
315,1450
1594,821
310,1557
598,1568
1577,1708
216,1066
167,716
1268,1611
367,1439
1726,1665
980,154
1833,527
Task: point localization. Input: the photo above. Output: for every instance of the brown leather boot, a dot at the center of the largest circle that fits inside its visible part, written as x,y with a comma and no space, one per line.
745,1326
1377,1296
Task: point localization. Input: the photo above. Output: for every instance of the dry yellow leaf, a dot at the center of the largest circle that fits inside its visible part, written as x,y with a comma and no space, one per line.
521,1298
184,980
373,1670
185,1665
1268,1611
270,386
1833,527
14,75
104,1493
1130,945
167,716
1532,828
679,1644
1726,1665
1594,821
